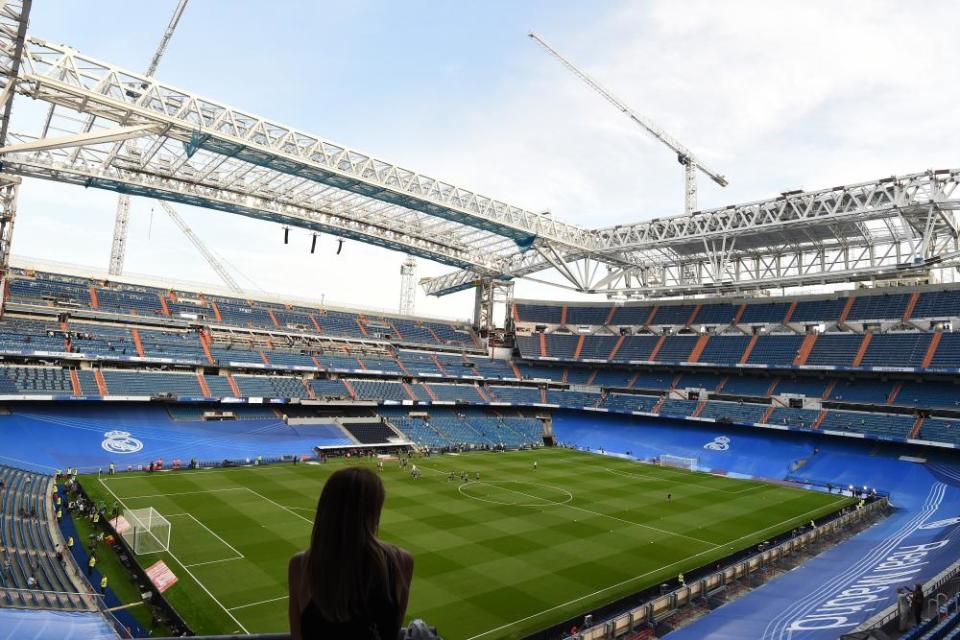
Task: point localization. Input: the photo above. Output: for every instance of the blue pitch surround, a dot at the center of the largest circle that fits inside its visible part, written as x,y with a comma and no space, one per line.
42,438
30,624
838,590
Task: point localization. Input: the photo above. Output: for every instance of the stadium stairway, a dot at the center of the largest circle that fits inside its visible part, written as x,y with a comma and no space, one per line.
920,538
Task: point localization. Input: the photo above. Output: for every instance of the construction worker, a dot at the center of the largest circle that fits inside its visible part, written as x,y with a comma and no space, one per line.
70,543
681,580
91,563
59,514
103,584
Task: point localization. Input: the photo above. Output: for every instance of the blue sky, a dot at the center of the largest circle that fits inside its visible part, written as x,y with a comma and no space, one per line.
777,95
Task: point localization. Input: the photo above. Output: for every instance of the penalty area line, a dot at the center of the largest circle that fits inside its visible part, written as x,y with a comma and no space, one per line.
185,568
255,604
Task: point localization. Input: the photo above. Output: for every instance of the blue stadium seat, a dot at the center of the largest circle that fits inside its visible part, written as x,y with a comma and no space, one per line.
776,349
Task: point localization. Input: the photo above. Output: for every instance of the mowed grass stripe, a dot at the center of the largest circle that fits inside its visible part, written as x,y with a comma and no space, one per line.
483,569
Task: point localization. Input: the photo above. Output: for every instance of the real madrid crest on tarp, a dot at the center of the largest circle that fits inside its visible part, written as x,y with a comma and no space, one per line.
120,442
720,443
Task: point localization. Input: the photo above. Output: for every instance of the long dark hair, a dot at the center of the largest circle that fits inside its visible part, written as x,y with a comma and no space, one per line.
346,563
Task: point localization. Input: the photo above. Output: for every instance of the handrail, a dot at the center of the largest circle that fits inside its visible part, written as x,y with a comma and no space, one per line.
60,593
658,607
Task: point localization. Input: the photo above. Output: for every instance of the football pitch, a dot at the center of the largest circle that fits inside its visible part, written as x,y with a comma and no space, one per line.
502,557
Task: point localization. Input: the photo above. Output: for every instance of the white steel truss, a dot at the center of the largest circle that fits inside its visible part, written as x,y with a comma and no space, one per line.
207,145
873,230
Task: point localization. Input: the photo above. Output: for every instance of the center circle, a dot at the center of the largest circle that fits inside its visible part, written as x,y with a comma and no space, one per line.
514,493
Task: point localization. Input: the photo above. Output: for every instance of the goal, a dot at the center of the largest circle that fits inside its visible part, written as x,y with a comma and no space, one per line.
145,530
680,462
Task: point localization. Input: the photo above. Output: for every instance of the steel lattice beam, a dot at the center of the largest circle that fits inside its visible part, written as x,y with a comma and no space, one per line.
64,77
869,230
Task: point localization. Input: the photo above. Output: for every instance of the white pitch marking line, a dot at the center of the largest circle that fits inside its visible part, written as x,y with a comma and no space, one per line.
274,502
254,604
178,561
634,578
200,564
212,532
181,493
654,478
179,473
606,515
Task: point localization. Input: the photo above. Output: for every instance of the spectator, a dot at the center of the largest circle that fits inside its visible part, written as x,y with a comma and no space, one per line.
903,607
349,584
916,601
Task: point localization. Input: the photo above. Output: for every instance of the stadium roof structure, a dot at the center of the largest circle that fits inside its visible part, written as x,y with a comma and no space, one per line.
115,129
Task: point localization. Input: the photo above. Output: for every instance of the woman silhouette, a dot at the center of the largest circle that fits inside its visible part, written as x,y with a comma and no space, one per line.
349,584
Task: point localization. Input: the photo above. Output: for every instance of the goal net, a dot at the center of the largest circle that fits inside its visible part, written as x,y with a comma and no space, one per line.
679,462
145,530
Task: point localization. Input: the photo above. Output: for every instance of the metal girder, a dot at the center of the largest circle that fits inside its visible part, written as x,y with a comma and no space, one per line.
854,232
776,219
14,16
490,293
9,186
117,134
375,231
62,76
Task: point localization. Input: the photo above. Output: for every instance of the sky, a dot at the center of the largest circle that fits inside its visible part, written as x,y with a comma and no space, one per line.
776,95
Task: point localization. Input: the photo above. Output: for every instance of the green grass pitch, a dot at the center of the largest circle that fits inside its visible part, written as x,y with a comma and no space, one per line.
518,551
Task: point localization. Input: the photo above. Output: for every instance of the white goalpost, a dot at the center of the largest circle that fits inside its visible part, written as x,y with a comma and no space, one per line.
145,530
678,462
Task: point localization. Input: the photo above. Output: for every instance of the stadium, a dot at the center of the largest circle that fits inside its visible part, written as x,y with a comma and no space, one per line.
736,422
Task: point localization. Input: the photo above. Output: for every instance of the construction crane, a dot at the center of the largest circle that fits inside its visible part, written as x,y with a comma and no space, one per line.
202,248
684,156
118,250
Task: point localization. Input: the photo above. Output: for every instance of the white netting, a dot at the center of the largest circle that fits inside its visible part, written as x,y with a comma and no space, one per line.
679,462
147,531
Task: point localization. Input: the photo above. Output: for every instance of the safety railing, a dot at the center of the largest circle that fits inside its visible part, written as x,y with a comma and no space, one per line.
660,608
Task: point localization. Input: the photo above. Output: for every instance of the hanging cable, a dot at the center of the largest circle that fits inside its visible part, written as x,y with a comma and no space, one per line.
340,246
286,235
313,244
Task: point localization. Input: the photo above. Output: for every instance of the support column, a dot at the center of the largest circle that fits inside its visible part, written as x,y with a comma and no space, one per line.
489,293
9,186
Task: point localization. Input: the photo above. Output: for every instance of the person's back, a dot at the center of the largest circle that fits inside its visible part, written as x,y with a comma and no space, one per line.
349,584
379,617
